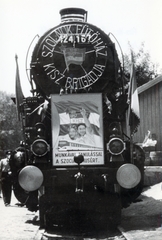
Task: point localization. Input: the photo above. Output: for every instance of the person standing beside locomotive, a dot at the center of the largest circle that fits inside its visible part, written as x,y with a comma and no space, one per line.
6,178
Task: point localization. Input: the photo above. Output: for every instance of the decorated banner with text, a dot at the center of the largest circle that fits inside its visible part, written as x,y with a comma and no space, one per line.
77,129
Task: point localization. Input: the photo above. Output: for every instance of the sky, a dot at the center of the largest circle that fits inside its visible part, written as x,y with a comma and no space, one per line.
130,21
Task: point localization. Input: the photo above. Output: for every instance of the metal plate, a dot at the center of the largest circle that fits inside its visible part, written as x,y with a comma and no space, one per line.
128,176
30,178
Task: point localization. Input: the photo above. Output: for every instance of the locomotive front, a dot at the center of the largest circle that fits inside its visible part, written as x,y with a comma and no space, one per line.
77,154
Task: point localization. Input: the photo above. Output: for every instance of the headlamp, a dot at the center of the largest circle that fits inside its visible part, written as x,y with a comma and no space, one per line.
116,146
39,147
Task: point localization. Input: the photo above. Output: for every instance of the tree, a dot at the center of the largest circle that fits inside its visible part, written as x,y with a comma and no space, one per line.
10,127
145,69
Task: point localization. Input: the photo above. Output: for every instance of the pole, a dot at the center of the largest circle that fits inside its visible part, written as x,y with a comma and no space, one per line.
131,149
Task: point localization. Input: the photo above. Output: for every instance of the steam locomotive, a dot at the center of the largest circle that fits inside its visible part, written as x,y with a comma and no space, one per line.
76,158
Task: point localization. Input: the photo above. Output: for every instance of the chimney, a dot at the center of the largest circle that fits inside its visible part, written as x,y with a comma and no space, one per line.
73,15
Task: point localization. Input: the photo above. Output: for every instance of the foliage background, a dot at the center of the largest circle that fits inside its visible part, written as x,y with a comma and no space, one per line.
146,70
10,127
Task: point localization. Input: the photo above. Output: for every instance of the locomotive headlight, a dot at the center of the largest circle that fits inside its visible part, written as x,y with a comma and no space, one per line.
116,146
128,176
39,147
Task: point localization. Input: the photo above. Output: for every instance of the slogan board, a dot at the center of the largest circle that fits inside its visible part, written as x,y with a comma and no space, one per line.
77,129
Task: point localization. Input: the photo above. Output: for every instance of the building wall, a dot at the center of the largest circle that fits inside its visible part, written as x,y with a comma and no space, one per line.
150,102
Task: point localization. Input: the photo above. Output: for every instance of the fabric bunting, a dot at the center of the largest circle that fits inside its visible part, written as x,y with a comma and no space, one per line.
133,101
18,89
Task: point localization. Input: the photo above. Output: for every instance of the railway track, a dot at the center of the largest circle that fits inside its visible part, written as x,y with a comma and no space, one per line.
126,235
118,234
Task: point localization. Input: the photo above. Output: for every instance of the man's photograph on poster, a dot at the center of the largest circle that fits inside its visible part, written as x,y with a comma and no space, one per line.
78,126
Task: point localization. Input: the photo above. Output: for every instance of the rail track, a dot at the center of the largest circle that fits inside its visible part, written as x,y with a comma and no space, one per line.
126,235
116,234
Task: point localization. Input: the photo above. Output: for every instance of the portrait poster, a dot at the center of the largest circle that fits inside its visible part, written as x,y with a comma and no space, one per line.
77,129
